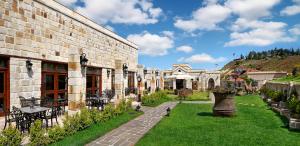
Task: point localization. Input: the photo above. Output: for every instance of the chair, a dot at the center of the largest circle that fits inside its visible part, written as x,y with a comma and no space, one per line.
25,102
51,114
21,122
9,117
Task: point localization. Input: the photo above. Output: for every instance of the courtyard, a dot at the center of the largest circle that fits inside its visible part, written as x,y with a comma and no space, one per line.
194,124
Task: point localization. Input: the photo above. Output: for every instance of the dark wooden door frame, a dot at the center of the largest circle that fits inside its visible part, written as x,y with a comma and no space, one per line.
6,94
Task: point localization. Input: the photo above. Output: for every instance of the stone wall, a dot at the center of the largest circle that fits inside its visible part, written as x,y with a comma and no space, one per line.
44,30
23,82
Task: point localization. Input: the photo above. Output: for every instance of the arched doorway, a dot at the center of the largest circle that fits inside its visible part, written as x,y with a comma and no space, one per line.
211,84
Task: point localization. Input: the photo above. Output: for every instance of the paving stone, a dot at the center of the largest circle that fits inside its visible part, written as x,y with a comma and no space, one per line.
128,134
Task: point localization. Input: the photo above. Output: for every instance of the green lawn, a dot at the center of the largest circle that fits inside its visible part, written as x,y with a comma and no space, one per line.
198,95
193,125
97,130
288,79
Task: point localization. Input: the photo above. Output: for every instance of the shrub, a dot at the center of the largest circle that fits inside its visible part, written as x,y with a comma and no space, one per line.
155,98
10,137
56,133
109,112
85,119
293,104
38,135
71,124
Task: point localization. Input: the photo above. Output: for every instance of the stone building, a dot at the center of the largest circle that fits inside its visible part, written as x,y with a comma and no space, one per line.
151,79
183,76
43,47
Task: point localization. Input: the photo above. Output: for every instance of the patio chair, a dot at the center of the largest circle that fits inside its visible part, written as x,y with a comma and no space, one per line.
51,114
21,122
24,102
9,117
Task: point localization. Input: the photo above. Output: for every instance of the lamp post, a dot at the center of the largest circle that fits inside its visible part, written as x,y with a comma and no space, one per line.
139,79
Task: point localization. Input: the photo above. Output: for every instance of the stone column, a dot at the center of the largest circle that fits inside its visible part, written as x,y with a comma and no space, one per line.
119,80
174,84
76,83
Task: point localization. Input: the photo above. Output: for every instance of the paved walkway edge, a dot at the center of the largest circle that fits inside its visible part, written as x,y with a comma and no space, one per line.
129,134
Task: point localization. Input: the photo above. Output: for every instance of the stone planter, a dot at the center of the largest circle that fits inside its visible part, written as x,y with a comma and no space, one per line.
224,104
294,123
282,105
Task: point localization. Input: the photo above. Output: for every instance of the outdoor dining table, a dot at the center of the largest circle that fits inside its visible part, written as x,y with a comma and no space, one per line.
32,113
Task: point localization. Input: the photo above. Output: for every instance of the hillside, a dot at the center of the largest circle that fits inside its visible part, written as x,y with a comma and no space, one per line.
269,64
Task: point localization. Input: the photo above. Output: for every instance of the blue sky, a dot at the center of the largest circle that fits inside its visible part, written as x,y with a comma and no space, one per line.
204,33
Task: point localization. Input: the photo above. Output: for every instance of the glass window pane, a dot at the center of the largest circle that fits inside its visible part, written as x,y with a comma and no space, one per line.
49,82
62,82
89,81
62,68
1,104
1,82
48,67
3,63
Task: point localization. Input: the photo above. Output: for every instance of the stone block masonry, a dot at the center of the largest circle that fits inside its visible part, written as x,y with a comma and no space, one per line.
46,31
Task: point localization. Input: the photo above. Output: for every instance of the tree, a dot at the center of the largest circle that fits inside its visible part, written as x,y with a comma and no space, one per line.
295,71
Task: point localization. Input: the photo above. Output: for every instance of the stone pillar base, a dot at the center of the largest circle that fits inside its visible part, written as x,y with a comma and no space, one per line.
72,105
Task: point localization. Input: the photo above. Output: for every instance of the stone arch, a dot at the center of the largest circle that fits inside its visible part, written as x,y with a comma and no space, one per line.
211,84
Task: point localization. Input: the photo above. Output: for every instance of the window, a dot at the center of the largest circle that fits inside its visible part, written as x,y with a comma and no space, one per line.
113,78
54,81
131,81
93,81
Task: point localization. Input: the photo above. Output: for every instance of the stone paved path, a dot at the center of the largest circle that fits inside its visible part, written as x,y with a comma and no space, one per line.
129,133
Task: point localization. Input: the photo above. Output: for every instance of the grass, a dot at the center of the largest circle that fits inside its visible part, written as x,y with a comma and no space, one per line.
288,79
97,130
193,125
198,96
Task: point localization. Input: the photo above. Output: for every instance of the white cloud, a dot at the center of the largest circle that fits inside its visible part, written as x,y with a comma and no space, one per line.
185,49
152,44
201,58
258,33
168,34
121,11
291,10
68,3
295,30
251,9
205,18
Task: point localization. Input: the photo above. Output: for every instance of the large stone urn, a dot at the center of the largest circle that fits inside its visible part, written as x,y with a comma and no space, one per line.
224,103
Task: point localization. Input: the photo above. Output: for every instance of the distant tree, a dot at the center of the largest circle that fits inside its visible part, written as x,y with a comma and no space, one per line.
295,71
242,56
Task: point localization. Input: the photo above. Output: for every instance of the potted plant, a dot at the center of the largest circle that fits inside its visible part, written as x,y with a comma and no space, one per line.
224,102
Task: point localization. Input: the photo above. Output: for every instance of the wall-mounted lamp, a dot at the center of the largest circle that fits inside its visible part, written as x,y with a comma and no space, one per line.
83,60
125,69
29,64
108,73
145,72
192,80
197,78
139,78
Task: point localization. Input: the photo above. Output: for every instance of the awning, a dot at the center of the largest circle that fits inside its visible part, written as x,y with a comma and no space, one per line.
180,76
